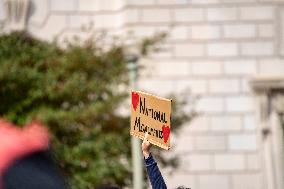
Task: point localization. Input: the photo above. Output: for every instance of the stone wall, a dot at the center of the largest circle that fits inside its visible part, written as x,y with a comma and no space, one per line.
214,48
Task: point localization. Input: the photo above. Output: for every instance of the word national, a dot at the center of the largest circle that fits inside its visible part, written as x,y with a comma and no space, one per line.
154,114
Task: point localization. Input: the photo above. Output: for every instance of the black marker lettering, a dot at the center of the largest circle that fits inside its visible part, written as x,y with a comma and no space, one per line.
160,134
142,105
137,122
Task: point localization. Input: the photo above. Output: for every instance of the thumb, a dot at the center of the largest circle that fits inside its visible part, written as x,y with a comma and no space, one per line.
146,137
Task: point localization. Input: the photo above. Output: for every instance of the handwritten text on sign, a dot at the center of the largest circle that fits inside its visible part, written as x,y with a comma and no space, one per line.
151,114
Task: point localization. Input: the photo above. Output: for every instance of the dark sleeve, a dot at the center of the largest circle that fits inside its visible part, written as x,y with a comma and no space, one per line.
154,173
35,171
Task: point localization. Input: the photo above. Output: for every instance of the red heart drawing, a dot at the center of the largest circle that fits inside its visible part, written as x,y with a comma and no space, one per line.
166,132
135,100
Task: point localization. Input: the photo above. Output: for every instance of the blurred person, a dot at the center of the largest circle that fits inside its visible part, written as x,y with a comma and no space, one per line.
153,171
25,161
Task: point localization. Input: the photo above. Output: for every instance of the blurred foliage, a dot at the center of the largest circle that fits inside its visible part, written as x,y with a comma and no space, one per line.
75,92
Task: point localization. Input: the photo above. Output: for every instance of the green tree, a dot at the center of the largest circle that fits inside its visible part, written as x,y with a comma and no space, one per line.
75,92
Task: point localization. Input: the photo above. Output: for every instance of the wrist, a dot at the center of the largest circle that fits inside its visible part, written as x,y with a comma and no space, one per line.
146,154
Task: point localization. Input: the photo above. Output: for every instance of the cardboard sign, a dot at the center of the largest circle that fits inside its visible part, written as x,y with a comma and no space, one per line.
151,114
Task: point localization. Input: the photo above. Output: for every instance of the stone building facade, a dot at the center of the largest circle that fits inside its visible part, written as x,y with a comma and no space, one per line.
214,50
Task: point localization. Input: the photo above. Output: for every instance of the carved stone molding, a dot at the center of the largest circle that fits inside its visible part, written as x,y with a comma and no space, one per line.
270,94
17,12
267,84
278,103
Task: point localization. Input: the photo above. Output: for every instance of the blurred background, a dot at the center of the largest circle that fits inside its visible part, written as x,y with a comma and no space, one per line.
224,58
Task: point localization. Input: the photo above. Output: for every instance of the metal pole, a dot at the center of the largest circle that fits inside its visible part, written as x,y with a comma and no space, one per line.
135,142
